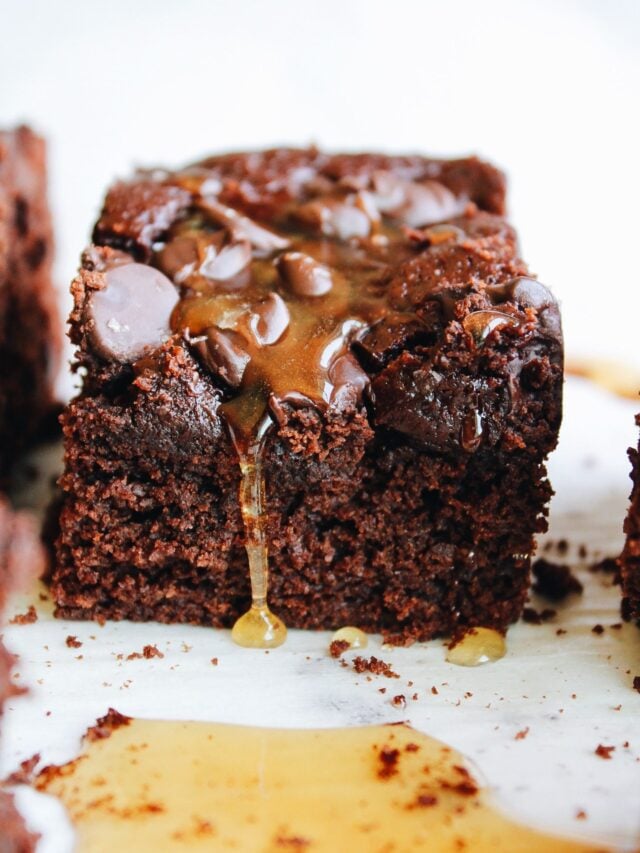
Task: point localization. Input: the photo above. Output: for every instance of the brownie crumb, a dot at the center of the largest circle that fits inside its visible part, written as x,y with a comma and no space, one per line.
554,581
399,701
560,631
337,647
374,665
521,735
148,652
214,661
581,814
434,690
597,629
607,566
73,642
25,774
636,683
388,758
582,552
537,617
604,751
106,725
25,618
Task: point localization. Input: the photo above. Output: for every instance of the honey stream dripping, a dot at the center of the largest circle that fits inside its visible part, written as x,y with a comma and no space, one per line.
155,785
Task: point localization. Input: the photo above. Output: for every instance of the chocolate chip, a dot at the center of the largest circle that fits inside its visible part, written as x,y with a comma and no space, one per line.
480,324
530,293
304,275
228,262
222,350
130,315
416,204
348,378
241,228
269,319
339,218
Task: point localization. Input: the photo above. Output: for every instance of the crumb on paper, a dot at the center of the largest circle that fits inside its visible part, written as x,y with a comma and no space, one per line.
554,581
537,617
636,683
521,735
25,773
374,665
604,751
581,814
73,642
148,652
399,701
337,647
597,629
214,661
25,618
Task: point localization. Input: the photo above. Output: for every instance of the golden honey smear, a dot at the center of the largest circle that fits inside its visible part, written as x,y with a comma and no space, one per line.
156,785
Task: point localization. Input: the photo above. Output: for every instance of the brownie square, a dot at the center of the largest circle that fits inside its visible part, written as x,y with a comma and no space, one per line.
630,558
374,313
29,326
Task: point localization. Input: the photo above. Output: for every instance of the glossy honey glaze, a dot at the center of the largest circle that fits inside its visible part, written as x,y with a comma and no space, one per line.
156,785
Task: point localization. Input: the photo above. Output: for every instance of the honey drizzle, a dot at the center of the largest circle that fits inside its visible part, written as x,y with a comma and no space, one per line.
258,627
170,785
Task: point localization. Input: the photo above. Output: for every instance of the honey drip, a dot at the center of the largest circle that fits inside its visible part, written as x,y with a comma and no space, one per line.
156,785
356,638
258,628
477,646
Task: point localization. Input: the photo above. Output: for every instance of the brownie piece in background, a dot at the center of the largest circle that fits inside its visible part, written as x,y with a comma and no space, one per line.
405,481
21,559
630,558
30,333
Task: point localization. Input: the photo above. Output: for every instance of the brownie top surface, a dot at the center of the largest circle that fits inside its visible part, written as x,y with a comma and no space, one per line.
294,276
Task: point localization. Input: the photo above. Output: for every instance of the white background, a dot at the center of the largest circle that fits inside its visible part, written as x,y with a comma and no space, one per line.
548,90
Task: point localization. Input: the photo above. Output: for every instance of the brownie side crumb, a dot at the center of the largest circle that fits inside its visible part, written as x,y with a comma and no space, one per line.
597,629
337,647
537,617
104,726
73,642
25,618
399,701
147,653
636,683
607,566
554,581
604,751
521,735
214,661
375,666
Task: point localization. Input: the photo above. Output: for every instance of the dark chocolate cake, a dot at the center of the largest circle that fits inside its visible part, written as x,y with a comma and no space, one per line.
630,559
359,326
29,326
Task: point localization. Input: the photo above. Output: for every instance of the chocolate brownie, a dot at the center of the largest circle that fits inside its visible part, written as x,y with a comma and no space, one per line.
359,327
29,328
21,557
630,558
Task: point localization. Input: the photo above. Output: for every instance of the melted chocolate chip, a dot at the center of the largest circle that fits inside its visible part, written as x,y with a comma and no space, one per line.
129,316
241,228
348,378
529,293
228,262
341,218
304,275
222,350
480,324
269,319
416,204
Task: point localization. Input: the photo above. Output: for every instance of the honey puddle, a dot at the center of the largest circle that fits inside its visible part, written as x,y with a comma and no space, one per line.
156,785
477,646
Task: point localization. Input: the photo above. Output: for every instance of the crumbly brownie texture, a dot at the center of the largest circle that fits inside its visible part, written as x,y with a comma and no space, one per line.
29,327
630,558
21,557
402,498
